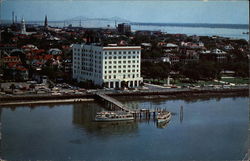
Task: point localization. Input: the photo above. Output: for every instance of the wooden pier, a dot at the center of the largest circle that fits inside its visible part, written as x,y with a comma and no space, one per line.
115,105
111,103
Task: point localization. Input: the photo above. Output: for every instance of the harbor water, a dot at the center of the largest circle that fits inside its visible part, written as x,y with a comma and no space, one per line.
209,30
204,129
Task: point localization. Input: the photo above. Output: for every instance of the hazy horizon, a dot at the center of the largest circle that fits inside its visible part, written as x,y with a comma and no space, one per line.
208,12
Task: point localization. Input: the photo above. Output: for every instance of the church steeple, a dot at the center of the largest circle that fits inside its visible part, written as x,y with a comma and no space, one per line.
23,28
46,22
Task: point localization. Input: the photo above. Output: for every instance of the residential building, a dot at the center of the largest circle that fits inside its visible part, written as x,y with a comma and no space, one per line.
169,47
67,64
55,51
216,55
171,58
11,59
189,55
219,55
112,67
146,46
7,48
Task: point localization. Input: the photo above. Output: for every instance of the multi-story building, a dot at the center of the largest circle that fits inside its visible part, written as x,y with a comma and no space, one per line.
124,28
216,55
111,67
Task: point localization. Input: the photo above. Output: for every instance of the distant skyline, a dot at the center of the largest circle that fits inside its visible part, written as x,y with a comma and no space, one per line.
225,12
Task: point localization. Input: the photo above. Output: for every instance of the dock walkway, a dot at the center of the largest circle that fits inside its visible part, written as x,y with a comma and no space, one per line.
113,102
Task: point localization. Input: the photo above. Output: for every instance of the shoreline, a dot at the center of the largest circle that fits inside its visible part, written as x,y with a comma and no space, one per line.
56,101
163,94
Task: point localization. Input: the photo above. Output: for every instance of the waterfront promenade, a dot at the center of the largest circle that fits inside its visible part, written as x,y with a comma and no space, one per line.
91,95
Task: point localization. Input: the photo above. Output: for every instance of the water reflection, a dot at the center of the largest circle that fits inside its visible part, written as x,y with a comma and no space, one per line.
181,114
83,116
162,125
163,98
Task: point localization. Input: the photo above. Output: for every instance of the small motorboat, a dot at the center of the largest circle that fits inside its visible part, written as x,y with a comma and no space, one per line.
113,116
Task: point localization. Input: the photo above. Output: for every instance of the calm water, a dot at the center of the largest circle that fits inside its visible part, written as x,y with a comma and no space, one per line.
212,129
200,31
236,33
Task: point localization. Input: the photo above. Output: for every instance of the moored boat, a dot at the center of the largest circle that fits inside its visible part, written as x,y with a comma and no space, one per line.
163,116
113,116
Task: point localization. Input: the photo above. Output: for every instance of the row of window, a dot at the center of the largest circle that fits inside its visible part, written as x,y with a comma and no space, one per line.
88,73
108,57
121,57
107,52
124,76
120,52
119,71
119,62
87,58
85,50
91,60
92,56
91,65
119,66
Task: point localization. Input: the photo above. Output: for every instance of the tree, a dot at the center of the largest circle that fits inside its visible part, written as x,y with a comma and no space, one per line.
32,87
12,87
190,70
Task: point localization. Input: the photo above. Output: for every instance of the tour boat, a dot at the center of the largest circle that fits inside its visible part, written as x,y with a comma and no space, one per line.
113,116
163,116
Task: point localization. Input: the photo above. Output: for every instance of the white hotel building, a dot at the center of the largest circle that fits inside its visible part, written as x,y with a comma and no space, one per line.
112,67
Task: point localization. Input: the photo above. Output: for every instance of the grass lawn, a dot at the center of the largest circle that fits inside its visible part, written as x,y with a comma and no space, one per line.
236,80
199,83
156,81
179,83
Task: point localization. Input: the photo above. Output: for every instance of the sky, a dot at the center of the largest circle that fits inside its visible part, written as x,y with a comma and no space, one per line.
164,11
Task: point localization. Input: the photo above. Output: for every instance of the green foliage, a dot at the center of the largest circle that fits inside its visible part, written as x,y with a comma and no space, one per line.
200,70
7,37
155,70
51,71
153,54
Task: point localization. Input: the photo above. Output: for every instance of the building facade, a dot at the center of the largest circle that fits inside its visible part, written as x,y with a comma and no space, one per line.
215,55
124,28
111,67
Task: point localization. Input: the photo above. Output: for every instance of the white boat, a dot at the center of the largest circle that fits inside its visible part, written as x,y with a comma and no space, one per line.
163,116
113,116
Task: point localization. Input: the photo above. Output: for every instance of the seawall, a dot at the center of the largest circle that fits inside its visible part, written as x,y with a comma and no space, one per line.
165,93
